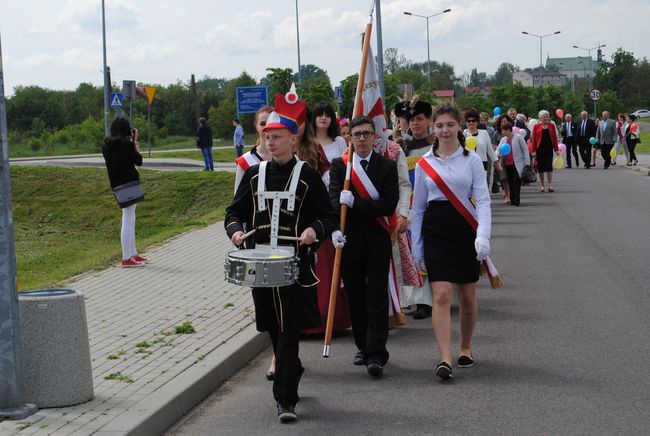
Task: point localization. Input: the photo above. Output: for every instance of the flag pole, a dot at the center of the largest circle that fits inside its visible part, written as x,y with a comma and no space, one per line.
346,185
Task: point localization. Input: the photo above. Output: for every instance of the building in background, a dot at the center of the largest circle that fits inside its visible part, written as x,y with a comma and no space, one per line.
444,95
531,76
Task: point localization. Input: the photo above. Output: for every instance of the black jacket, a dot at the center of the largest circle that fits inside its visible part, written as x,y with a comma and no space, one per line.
574,129
204,136
365,236
121,158
590,131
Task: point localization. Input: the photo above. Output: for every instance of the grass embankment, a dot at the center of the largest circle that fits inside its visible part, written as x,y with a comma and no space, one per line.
221,155
644,146
66,220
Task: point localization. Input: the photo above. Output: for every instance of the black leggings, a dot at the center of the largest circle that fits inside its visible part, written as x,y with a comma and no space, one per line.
631,145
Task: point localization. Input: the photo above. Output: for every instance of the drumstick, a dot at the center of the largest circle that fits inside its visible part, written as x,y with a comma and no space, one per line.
292,238
247,234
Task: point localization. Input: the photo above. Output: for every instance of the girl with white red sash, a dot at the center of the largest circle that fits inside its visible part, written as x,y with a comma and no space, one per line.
444,241
259,153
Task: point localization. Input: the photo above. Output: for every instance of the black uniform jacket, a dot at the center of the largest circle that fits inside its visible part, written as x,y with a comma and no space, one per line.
293,307
364,235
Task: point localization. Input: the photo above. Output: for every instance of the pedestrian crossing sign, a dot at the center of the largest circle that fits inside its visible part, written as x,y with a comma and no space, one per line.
116,100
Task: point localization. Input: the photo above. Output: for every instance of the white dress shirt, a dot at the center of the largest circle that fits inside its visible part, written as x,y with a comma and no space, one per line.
484,146
467,175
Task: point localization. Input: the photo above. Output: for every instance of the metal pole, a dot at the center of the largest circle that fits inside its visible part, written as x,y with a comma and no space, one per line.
106,84
428,54
380,50
149,129
298,40
540,61
11,368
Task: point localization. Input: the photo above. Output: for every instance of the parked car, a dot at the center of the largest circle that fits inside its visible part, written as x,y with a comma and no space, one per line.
641,113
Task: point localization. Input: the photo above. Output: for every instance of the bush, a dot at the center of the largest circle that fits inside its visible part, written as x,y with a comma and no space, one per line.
162,132
35,144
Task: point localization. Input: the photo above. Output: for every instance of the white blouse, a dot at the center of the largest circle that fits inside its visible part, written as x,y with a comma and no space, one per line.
335,149
467,175
484,147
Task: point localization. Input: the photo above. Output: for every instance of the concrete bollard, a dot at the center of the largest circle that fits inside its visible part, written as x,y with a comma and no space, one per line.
57,369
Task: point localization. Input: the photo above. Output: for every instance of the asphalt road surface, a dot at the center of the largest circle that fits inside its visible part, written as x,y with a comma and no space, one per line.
562,349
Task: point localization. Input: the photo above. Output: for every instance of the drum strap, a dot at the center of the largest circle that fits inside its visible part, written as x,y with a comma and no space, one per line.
276,197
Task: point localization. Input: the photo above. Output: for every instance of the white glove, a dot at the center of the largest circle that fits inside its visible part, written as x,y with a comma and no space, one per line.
419,264
482,246
338,239
346,198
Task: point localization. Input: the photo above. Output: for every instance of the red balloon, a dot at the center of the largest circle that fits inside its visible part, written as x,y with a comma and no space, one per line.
559,112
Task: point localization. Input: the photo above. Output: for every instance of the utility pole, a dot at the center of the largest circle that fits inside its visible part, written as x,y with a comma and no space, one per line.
12,404
106,79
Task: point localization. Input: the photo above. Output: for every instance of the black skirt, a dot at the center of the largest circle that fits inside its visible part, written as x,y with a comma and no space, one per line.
545,153
449,252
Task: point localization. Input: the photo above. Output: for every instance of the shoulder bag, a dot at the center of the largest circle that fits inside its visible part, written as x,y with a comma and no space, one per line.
128,194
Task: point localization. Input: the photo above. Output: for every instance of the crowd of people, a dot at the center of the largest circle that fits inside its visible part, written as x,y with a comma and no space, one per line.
418,219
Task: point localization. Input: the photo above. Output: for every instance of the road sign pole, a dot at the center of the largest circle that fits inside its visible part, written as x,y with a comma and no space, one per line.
149,129
11,378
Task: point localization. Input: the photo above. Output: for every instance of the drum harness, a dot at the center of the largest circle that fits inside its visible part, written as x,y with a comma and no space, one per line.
276,198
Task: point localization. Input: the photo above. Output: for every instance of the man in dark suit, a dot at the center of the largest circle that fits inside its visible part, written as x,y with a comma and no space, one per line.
372,199
586,131
606,136
569,132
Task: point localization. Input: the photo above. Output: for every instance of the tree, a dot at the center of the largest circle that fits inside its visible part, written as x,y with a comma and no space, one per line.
310,71
503,75
349,89
315,90
611,75
477,79
279,80
394,61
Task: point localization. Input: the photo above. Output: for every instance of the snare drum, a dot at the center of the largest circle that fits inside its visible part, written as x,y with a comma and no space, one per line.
261,268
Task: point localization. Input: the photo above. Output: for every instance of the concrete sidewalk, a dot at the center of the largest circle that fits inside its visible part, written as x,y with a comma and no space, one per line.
153,386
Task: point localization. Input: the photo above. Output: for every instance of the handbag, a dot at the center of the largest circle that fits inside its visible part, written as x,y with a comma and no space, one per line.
528,175
128,193
495,182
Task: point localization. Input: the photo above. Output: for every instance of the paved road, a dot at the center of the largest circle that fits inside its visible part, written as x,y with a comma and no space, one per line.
561,350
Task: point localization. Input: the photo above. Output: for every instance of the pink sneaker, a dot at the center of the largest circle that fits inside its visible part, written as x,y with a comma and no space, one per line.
131,263
140,259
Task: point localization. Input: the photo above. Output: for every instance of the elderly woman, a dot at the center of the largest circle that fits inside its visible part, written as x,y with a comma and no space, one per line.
543,141
515,161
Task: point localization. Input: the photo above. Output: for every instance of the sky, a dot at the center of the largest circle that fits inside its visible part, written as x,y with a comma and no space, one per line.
58,43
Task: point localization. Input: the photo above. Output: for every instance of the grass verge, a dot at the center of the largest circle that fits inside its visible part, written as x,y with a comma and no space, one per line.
221,155
66,220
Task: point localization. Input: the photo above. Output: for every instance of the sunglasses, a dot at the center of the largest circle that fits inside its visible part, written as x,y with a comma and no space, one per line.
471,120
365,134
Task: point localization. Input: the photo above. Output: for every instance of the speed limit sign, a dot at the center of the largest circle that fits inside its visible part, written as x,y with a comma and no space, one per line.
595,94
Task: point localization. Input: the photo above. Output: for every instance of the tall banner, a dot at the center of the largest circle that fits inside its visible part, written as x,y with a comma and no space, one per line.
372,104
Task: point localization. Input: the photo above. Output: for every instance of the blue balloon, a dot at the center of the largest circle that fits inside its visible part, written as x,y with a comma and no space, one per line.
497,111
505,149
592,140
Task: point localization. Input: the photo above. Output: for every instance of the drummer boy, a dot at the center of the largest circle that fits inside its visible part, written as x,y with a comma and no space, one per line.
284,311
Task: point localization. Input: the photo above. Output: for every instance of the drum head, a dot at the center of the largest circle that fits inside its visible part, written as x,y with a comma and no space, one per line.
256,254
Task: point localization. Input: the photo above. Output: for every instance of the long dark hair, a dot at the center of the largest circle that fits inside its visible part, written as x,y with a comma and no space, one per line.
307,149
449,109
323,108
120,129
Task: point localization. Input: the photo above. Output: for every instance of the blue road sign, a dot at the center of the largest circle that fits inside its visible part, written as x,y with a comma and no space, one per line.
116,100
250,99
339,95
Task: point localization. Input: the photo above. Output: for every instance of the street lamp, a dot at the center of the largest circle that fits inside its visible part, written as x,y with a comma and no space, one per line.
298,40
591,61
106,84
540,50
428,52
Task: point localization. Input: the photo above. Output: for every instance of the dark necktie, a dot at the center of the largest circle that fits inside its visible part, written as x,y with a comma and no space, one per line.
584,123
364,164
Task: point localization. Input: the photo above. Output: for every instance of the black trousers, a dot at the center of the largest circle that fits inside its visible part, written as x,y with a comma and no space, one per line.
631,145
605,149
366,283
585,153
288,368
515,184
571,148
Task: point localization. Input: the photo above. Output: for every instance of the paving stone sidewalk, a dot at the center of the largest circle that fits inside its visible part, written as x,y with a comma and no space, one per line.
132,319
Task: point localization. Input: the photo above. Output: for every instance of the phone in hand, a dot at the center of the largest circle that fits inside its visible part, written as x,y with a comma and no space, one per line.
134,134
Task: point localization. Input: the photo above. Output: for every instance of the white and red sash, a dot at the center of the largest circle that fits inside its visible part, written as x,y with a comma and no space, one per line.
460,202
367,191
247,160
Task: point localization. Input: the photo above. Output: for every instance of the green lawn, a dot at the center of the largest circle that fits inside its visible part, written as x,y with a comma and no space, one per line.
222,155
644,146
73,225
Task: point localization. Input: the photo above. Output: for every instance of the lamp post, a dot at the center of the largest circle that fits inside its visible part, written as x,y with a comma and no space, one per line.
591,61
298,39
428,51
106,84
541,37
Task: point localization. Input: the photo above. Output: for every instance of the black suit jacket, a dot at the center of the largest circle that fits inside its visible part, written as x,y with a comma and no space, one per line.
364,235
590,130
574,129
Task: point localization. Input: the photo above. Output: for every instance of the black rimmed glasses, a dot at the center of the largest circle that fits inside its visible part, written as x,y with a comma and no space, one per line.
366,134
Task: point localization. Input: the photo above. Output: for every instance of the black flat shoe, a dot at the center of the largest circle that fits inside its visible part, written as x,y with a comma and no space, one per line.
375,368
443,370
286,413
465,362
423,311
270,376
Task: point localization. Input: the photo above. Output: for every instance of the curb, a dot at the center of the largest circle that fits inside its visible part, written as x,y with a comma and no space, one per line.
170,403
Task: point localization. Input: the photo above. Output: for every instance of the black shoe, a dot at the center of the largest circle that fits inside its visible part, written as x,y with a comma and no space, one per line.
465,362
443,370
359,358
375,368
270,376
423,311
286,412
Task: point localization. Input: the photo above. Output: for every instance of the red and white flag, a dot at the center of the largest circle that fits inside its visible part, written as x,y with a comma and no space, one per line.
372,104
